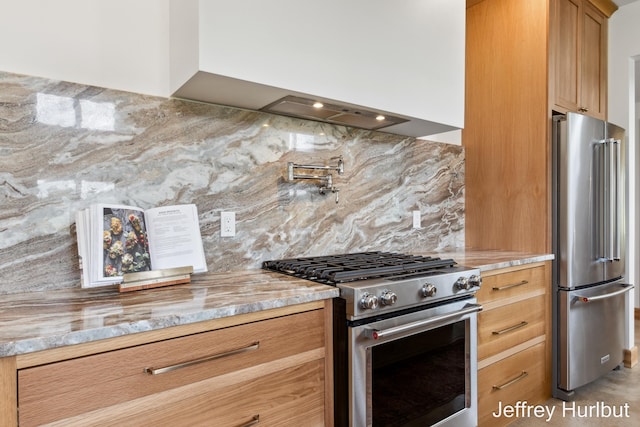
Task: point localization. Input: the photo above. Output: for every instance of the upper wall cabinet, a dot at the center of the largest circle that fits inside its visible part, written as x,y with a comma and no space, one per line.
362,58
578,57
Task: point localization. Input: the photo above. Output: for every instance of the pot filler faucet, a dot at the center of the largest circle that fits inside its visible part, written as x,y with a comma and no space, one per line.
326,179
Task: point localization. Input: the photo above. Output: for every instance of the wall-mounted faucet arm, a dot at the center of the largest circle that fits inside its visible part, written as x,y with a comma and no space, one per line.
291,167
327,179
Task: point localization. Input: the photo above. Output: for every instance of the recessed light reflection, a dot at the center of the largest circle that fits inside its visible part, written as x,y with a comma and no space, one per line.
318,105
380,117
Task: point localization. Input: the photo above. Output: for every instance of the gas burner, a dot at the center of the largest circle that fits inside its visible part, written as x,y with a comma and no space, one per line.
382,282
335,269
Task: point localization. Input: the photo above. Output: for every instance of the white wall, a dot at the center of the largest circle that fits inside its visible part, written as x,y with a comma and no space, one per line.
116,44
624,48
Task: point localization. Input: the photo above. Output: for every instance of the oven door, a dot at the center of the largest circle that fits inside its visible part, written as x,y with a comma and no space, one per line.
416,369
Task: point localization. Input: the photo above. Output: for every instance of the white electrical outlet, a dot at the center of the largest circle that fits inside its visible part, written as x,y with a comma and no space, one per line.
416,219
227,224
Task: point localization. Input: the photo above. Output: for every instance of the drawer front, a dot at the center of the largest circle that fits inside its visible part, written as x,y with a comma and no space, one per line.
501,328
520,377
71,387
289,397
512,284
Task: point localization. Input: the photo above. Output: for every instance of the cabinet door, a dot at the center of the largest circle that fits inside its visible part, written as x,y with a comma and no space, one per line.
566,20
506,126
579,58
593,75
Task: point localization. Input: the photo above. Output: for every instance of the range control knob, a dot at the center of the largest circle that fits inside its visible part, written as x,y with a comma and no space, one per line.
475,280
388,298
428,290
369,302
463,284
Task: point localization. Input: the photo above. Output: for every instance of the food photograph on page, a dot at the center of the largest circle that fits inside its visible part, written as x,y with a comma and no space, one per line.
126,248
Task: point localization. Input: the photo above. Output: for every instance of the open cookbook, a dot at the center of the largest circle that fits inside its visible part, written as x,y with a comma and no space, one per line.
114,240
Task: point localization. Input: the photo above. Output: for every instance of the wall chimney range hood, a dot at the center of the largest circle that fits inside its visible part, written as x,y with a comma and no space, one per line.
404,77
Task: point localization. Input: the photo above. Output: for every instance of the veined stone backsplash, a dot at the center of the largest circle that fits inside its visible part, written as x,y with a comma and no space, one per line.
64,146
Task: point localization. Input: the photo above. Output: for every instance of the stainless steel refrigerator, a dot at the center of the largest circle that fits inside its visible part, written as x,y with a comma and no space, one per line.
589,246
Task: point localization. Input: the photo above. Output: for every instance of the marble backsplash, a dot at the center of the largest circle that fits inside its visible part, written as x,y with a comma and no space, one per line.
64,146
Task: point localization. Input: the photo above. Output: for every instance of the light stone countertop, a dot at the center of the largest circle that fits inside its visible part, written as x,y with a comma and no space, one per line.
487,260
35,321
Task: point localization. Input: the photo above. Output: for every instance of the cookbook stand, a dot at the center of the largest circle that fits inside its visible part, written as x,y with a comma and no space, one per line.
155,279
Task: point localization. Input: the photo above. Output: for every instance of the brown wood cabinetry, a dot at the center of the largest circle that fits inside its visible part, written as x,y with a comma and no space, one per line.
271,369
514,340
523,60
578,54
506,154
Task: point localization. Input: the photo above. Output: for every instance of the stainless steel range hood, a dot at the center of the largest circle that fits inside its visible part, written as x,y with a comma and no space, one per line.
308,108
222,90
226,91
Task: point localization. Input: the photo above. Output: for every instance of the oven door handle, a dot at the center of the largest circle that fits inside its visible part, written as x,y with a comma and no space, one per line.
377,334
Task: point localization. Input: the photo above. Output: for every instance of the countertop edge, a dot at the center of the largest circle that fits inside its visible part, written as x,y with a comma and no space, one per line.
54,340
488,260
514,263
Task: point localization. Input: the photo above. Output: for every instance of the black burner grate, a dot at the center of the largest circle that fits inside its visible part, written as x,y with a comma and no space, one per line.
333,269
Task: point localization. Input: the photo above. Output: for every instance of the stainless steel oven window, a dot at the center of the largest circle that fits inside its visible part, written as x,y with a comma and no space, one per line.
408,351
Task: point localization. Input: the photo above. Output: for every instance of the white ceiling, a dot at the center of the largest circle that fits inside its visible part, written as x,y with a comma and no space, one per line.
623,2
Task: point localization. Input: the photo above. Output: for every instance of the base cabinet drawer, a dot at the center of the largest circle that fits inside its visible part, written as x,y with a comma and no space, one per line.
151,372
504,327
289,397
520,377
512,284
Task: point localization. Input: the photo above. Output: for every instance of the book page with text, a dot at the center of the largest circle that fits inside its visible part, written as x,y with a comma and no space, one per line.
174,238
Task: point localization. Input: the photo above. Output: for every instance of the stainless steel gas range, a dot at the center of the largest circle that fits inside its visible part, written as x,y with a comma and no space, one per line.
405,337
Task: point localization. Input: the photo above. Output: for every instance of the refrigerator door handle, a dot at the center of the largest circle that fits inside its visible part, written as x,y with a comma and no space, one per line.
615,199
611,185
625,288
600,172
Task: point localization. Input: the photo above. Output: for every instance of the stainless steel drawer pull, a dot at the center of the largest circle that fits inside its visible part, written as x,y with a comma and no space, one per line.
510,328
156,371
513,381
254,421
512,285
